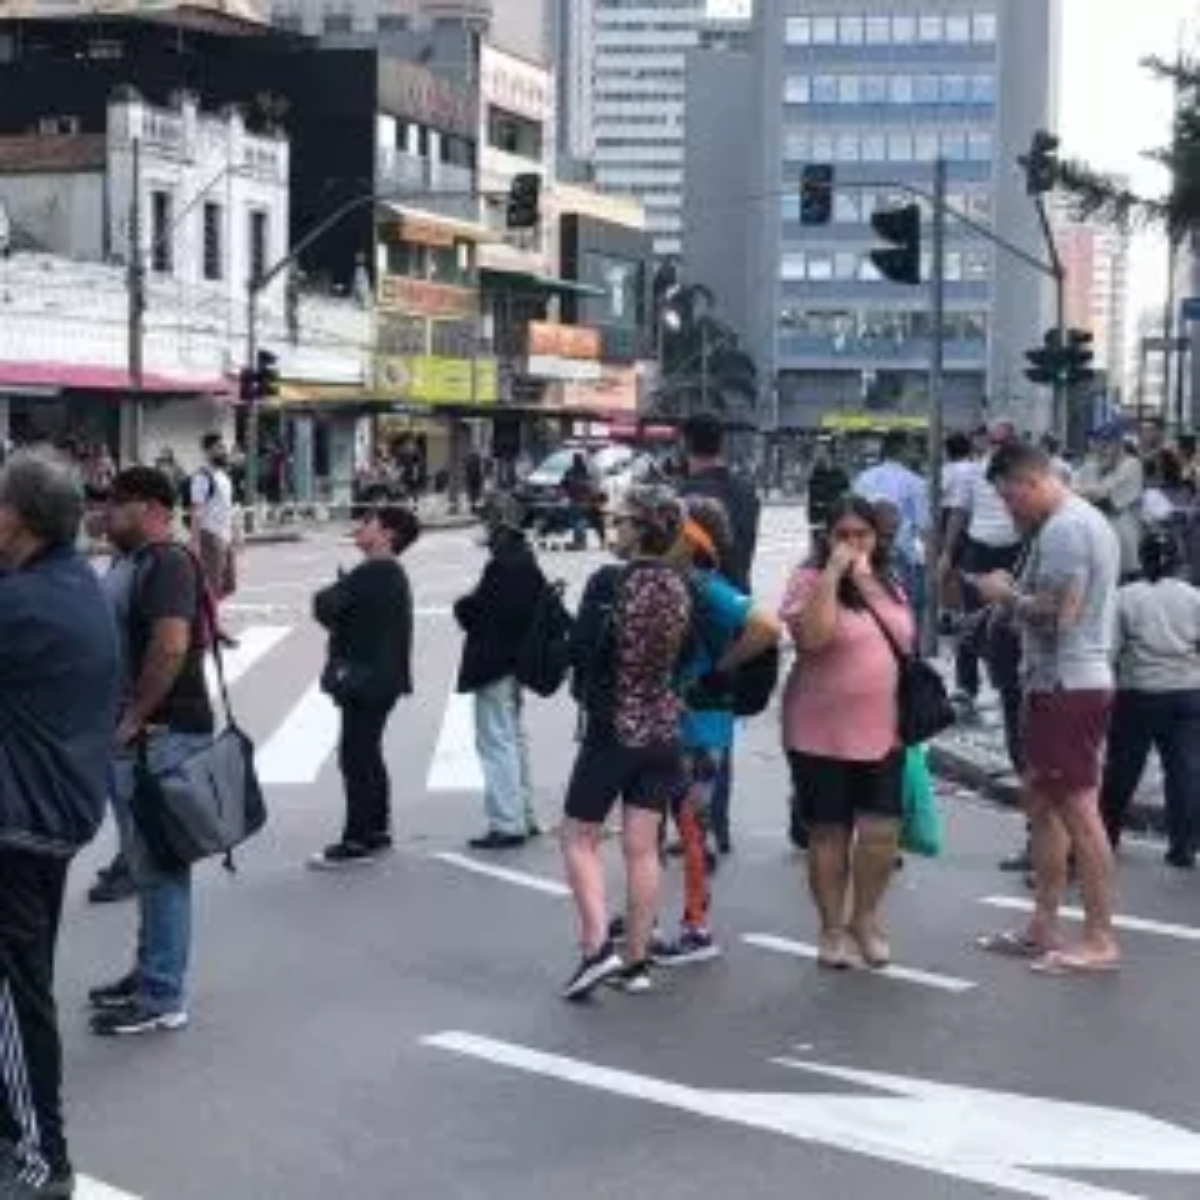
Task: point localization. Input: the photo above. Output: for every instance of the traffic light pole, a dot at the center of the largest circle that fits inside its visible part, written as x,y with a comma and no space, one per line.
1060,417
937,363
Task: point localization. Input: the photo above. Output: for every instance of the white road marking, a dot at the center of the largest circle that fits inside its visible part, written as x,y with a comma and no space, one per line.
455,766
1182,933
535,883
254,643
996,1139
941,983
434,611
297,750
93,1189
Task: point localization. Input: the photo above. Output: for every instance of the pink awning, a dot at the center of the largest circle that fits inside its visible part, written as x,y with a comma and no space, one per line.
103,379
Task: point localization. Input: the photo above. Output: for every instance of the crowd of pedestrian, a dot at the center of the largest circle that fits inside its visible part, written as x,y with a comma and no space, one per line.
1072,589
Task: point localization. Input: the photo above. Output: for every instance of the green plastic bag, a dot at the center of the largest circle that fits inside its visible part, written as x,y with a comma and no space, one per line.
922,832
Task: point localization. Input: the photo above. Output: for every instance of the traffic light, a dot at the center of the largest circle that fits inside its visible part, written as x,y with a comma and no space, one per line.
816,194
266,374
247,386
1041,164
525,201
1062,363
901,229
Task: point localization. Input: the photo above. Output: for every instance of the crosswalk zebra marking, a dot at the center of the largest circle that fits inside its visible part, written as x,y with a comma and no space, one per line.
93,1189
455,766
299,748
254,644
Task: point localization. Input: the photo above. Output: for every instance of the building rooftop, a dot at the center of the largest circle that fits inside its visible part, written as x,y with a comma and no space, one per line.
44,153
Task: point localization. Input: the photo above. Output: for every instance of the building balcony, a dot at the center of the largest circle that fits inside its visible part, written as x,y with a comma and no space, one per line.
849,353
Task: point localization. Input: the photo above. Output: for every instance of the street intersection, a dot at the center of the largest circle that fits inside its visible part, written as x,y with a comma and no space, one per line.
398,1033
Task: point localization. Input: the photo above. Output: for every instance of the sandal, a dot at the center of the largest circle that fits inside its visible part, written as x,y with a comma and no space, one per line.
873,947
1073,962
1010,943
831,951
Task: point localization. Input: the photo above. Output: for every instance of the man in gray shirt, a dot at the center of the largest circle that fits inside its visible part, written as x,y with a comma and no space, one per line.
1065,605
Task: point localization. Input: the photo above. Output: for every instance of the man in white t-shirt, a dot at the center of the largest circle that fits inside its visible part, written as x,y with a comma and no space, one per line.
980,538
210,495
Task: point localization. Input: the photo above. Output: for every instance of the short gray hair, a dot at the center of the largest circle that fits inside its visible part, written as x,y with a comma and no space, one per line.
44,491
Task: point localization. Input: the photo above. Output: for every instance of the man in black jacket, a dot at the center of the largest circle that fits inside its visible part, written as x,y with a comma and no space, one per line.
58,695
496,618
708,475
369,615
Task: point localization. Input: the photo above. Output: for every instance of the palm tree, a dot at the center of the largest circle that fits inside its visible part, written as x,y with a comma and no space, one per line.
704,366
1096,196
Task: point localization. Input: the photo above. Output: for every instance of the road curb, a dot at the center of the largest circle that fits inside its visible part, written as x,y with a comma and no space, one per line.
950,763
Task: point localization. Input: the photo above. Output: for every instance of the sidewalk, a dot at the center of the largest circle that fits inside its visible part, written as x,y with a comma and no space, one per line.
973,754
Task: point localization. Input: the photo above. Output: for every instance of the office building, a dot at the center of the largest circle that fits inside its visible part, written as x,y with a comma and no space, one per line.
879,89
623,72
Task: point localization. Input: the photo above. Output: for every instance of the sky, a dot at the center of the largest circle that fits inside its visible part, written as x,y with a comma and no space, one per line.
1112,110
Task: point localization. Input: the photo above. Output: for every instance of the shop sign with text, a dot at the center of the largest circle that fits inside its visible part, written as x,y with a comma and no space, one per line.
429,379
426,299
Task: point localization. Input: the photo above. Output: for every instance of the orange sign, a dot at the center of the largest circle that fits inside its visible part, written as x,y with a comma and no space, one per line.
564,341
426,299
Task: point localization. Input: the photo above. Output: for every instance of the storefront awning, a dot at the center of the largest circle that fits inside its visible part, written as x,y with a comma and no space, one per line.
531,282
470,231
67,377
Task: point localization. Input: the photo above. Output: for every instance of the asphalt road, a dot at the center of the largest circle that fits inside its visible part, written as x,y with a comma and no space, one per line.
398,1033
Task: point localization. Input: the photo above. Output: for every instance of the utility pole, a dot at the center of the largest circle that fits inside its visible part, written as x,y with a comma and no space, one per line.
1060,420
937,363
136,290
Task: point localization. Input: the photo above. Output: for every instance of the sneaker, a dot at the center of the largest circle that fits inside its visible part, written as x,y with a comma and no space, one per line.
111,887
57,1187
380,843
691,946
342,856
114,995
634,978
495,840
135,1018
616,930
593,970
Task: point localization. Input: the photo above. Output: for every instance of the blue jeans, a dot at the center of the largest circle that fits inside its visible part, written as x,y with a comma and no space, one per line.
164,897
503,748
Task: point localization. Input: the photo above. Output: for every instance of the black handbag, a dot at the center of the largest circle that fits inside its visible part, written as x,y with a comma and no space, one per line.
207,803
922,699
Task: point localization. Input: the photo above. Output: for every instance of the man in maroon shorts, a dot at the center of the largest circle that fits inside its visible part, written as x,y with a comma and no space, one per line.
1064,604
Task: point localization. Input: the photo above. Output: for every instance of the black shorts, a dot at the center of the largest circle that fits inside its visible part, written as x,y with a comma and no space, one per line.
832,791
647,777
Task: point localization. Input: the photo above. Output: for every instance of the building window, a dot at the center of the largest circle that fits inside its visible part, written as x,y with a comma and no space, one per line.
849,89
979,147
929,30
879,31
797,147
509,132
983,28
954,146
259,246
799,31
161,232
926,146
900,147
852,32
825,89
846,210
339,23
955,89
874,147
904,30
902,89
214,251
958,28
983,89
825,31
925,89
847,147
797,89
874,89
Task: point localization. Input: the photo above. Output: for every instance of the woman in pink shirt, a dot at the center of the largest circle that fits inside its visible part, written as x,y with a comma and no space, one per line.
840,727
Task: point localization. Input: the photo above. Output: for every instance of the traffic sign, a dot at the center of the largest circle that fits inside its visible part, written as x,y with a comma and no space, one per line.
1190,308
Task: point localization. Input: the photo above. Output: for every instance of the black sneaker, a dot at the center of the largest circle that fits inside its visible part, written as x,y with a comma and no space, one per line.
691,946
380,843
112,886
343,856
495,840
57,1187
593,970
633,978
135,1018
616,930
114,995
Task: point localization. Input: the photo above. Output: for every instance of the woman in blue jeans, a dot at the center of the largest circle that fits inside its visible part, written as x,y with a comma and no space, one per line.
1158,697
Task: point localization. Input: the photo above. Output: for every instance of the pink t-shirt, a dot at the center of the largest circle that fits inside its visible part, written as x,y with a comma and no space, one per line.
840,701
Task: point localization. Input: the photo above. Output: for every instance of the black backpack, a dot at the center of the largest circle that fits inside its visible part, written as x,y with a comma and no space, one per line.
544,656
751,685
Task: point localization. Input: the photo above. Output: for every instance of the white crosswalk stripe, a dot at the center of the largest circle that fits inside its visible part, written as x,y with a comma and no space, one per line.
93,1189
303,742
254,644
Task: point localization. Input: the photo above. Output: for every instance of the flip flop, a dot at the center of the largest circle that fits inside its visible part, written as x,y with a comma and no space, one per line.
1010,943
1071,962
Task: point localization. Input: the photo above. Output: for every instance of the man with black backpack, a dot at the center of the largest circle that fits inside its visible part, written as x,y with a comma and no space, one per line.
497,617
166,718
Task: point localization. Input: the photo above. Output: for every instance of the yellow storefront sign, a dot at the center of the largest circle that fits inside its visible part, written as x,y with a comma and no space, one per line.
428,379
861,422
